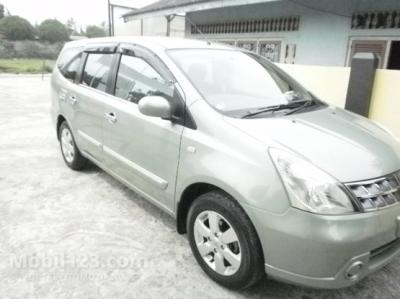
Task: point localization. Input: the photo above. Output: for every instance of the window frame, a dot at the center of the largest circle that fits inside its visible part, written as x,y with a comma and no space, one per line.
142,53
369,38
185,118
106,49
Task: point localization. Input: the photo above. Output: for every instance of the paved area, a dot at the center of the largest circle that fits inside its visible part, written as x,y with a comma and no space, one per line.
66,234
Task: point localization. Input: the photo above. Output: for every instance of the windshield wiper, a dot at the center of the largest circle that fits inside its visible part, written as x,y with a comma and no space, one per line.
306,104
292,105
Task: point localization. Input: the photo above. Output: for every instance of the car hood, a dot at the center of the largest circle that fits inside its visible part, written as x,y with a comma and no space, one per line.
345,145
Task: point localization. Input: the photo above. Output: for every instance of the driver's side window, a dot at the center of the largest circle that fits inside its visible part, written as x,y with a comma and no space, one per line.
136,79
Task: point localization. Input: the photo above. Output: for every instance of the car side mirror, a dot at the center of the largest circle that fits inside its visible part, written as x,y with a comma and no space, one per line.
156,106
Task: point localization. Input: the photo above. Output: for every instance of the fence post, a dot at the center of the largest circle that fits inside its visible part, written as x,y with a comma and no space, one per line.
43,67
363,66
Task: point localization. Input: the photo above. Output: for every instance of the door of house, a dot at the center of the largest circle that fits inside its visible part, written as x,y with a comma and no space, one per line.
394,56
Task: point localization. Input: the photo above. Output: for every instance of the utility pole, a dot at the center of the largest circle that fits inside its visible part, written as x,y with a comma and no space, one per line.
112,20
109,18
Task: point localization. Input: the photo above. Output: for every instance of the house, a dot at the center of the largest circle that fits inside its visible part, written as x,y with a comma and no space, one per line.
313,32
143,26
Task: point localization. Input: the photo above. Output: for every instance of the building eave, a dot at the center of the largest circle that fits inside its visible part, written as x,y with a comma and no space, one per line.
189,7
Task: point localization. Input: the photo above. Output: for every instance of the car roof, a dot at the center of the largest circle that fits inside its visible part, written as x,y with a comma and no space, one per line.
165,43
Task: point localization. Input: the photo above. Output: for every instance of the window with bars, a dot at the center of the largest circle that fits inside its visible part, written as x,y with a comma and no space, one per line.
247,45
270,50
249,26
376,20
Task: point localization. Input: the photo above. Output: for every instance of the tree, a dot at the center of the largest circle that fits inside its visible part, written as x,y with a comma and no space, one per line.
16,28
53,31
1,11
95,31
71,26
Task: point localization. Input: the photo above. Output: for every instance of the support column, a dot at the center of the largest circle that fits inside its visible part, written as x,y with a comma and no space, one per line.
363,66
169,20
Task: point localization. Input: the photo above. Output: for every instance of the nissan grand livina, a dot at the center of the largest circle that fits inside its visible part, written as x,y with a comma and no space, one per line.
264,177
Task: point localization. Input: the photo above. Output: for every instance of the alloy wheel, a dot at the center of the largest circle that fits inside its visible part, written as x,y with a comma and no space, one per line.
217,243
67,145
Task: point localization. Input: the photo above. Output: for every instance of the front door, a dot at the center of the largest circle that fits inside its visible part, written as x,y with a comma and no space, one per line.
142,150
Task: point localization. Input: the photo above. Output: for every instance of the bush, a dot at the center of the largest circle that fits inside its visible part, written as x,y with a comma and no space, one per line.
29,49
95,31
6,49
1,11
16,28
53,31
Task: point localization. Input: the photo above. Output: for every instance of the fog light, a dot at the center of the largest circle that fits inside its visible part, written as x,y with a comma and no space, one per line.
354,270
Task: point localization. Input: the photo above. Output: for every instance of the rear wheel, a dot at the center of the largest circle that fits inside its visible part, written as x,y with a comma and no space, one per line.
71,154
224,241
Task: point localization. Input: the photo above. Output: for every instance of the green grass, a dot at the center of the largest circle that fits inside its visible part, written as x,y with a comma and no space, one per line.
26,66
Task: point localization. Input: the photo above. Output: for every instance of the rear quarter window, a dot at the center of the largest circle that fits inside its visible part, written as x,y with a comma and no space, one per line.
69,62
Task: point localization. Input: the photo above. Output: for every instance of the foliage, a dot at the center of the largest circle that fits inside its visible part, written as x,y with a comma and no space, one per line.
53,31
95,31
72,27
6,48
16,28
31,66
1,11
29,49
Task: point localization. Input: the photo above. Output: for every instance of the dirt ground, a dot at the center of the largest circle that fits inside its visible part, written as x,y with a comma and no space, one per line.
67,234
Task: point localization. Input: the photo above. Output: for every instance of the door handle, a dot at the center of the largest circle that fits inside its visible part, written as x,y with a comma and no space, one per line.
111,117
72,100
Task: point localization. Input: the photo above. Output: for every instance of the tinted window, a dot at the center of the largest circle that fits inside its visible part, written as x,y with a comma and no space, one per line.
136,78
97,69
69,63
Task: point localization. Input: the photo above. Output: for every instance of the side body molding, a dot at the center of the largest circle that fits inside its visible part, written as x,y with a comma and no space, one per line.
159,182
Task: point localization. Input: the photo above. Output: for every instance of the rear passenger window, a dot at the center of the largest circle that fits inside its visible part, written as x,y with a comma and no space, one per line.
136,79
97,70
69,63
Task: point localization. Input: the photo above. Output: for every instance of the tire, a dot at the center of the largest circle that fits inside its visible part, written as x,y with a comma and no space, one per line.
70,152
245,248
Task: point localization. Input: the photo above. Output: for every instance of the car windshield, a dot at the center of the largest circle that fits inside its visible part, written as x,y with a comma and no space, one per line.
233,81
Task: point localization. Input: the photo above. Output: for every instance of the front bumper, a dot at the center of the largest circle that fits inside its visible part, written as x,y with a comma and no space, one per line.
324,251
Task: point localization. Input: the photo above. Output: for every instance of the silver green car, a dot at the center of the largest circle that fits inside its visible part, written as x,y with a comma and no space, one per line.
265,178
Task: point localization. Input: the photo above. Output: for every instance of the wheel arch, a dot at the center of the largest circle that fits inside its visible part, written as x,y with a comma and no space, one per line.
188,196
60,120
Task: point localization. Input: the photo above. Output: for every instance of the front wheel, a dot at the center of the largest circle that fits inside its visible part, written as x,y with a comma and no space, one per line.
224,241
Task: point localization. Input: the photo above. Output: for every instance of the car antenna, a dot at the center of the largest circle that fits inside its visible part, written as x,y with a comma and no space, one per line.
198,30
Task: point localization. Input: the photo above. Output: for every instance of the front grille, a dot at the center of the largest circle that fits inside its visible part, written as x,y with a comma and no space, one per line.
377,193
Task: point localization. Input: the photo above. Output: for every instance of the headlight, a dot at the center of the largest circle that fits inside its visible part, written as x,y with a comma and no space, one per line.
309,188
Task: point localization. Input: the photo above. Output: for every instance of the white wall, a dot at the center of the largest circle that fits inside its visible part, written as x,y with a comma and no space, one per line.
323,38
121,28
151,26
131,28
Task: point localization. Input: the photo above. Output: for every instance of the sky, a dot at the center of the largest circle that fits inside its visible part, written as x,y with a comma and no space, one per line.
84,12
